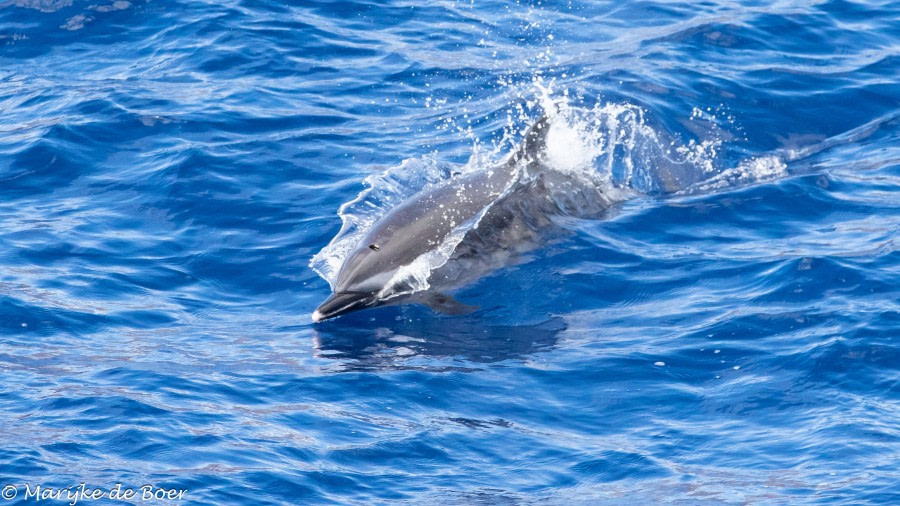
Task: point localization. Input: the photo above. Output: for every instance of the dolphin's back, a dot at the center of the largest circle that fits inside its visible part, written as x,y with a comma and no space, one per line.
424,222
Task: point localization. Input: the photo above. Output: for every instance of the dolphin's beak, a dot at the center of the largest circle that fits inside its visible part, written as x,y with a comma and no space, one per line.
342,303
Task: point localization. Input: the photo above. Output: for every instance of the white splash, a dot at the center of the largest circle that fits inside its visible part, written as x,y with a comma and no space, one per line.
753,170
568,149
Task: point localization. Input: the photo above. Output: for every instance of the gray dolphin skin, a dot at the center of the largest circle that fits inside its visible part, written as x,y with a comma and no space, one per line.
422,223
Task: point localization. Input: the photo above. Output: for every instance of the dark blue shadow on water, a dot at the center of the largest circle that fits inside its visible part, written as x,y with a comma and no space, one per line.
376,339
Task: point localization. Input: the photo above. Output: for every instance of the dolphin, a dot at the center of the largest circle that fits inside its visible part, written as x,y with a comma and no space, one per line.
371,275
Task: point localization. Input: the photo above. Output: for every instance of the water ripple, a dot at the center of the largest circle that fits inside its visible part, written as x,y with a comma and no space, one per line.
167,169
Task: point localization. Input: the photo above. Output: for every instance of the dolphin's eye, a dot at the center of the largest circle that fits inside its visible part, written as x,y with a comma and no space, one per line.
374,247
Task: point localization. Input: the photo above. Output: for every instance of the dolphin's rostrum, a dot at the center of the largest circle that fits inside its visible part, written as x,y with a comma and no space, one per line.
373,273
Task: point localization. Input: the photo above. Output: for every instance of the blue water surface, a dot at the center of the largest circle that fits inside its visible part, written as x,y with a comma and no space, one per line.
168,169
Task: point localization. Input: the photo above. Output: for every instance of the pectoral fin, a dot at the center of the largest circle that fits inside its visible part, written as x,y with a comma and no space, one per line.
445,304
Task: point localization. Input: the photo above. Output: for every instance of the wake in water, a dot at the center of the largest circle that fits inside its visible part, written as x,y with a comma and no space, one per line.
590,159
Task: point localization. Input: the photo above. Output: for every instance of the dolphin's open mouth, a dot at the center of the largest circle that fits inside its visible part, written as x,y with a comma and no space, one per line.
341,303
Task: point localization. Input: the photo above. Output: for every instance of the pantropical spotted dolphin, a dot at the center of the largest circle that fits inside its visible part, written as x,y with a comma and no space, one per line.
378,270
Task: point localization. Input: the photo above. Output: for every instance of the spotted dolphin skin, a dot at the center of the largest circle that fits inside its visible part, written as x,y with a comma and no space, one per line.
368,277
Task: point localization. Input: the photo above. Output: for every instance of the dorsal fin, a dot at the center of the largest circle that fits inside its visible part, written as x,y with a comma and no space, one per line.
534,141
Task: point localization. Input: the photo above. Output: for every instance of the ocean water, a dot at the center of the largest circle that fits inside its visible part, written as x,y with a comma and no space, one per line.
171,178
